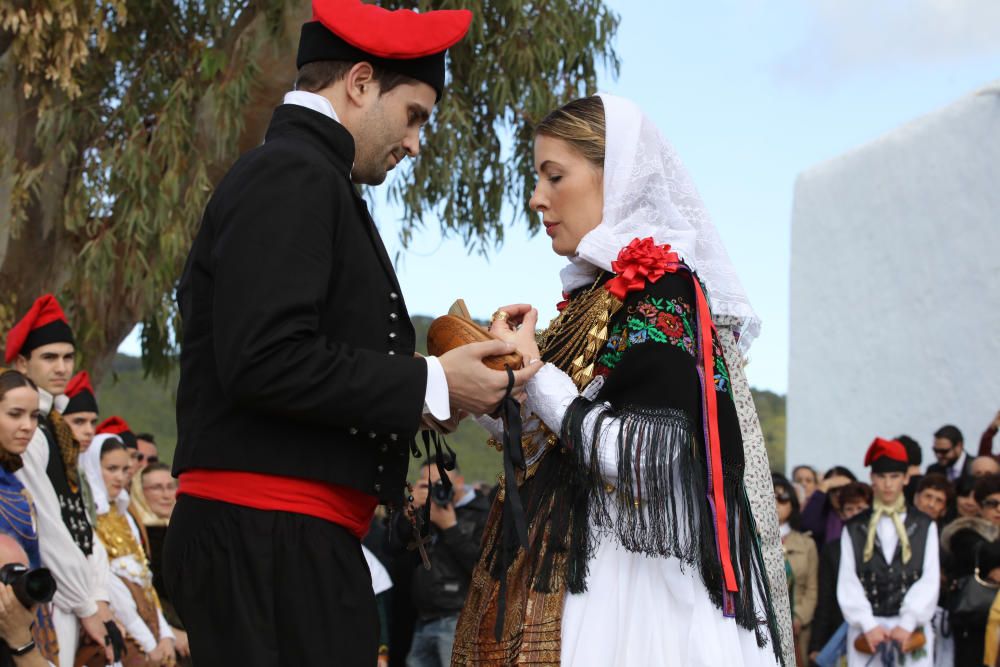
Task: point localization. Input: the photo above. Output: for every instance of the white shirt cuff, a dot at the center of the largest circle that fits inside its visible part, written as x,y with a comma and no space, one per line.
436,401
908,622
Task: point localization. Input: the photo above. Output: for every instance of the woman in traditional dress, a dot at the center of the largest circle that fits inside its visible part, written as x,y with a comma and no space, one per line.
645,545
18,421
133,598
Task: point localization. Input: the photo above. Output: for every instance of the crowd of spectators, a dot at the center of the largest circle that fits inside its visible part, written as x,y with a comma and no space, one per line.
959,492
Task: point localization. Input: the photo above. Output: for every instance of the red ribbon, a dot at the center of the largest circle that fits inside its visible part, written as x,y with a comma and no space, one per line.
643,261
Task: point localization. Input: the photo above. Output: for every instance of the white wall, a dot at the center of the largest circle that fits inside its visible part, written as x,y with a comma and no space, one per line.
895,288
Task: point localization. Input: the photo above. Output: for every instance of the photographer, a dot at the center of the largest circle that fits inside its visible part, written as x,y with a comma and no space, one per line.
457,518
18,644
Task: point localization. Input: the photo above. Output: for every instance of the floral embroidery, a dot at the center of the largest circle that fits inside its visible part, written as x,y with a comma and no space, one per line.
661,320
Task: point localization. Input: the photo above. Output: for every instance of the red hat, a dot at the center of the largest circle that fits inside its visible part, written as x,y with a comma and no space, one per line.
887,456
44,323
402,41
82,397
118,426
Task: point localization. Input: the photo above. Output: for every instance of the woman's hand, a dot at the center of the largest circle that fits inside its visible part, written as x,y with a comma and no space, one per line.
163,654
518,328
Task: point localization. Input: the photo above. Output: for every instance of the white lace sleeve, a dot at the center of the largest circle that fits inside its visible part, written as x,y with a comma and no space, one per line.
550,394
493,426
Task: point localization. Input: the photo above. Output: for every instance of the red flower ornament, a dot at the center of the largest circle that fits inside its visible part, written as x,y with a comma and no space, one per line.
639,262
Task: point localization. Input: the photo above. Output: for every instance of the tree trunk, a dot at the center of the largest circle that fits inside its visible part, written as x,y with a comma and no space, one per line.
36,257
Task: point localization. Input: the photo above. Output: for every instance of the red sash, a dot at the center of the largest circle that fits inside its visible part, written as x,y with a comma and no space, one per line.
341,505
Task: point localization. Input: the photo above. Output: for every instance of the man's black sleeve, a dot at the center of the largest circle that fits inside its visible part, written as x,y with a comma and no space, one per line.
272,257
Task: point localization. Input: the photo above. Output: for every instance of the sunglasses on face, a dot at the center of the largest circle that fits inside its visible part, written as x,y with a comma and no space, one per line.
782,498
991,504
941,452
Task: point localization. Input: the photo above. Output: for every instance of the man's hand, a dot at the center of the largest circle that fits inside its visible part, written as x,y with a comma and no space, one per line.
876,636
429,423
15,620
900,635
163,654
94,627
181,643
443,517
472,386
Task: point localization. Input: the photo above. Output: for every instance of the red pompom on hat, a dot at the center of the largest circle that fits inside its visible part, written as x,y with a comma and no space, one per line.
119,427
402,41
44,323
82,397
887,456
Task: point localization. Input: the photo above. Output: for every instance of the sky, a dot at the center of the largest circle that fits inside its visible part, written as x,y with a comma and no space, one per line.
751,93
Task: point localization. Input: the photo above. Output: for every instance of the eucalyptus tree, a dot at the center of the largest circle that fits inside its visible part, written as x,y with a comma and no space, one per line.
117,117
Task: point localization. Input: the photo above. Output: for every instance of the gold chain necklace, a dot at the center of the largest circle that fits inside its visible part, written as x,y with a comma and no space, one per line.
575,336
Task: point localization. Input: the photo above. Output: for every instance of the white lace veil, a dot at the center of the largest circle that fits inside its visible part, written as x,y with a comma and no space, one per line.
648,192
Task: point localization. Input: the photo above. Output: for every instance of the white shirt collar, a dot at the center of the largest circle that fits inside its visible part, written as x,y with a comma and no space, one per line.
959,464
312,101
47,401
784,530
470,493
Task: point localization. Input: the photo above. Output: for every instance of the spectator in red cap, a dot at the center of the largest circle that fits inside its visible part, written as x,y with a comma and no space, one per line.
889,576
41,346
296,337
81,411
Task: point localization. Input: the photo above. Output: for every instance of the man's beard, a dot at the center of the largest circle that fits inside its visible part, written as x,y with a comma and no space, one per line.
370,167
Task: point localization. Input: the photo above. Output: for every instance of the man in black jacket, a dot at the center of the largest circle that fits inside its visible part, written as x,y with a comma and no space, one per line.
457,520
952,460
300,393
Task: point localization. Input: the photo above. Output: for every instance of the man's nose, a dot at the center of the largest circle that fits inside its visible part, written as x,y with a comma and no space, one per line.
411,144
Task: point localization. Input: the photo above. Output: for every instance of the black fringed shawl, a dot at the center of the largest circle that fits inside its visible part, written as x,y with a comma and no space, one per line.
653,387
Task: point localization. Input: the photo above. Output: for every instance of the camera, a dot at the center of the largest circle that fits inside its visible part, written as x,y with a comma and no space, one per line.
442,494
31,587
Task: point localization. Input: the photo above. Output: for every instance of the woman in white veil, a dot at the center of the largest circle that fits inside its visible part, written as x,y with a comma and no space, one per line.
651,529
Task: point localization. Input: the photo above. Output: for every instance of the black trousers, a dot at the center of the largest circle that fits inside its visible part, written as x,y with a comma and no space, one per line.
269,589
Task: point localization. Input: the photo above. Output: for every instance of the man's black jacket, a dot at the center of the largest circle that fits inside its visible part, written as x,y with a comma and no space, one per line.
297,351
454,552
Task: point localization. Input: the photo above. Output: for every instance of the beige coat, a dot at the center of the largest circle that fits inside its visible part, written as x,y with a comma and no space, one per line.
800,550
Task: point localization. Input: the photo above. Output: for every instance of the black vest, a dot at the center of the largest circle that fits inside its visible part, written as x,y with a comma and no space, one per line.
886,584
71,505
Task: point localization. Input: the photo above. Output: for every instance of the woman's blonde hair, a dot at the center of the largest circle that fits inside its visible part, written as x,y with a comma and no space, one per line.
579,123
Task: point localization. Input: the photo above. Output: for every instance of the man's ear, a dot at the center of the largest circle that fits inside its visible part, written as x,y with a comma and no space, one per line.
21,364
360,83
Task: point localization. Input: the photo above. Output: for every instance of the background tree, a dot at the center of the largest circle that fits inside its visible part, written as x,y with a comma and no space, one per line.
117,117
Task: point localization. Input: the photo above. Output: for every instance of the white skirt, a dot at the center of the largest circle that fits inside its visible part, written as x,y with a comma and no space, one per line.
648,612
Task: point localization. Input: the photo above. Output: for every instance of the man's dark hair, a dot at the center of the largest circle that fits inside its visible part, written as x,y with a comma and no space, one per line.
986,487
965,486
855,492
938,482
154,467
913,454
319,74
148,437
430,462
951,434
842,471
